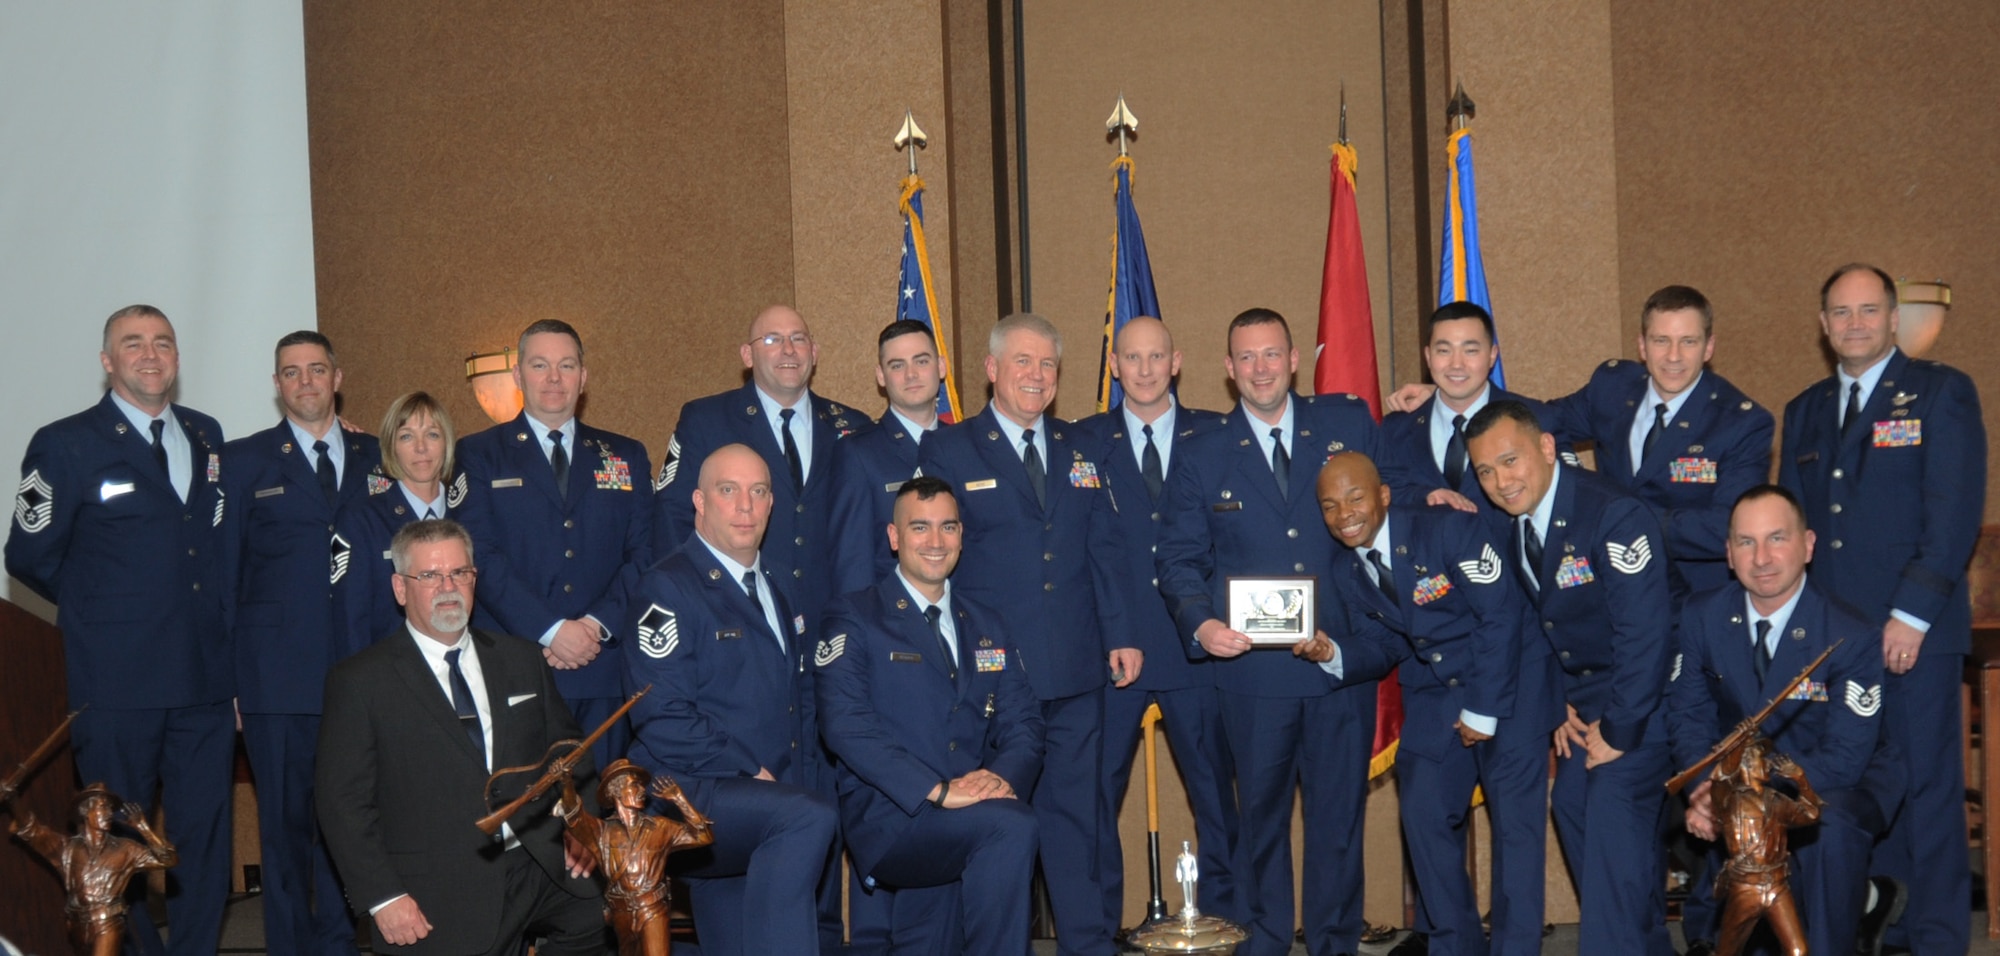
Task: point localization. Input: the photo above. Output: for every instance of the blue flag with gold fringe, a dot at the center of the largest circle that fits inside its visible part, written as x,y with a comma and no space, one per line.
1131,282
1461,274
916,295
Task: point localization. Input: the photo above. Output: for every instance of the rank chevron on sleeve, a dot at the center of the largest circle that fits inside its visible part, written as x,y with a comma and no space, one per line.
1630,558
1484,570
659,632
1864,702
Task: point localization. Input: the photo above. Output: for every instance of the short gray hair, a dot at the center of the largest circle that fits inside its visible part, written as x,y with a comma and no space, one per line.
426,531
1026,322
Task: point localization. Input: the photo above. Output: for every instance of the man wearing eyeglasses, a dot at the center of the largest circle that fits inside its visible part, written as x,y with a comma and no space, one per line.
413,726
562,513
795,431
286,486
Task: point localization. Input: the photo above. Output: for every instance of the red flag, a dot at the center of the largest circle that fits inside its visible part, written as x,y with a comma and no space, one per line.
1345,362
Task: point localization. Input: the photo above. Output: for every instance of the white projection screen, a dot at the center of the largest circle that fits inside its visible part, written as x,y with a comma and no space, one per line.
149,152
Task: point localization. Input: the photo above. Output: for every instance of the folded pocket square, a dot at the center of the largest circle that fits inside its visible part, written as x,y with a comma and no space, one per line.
517,698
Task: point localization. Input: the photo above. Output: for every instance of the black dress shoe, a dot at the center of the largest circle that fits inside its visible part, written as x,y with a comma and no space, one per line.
1699,947
1890,898
1414,944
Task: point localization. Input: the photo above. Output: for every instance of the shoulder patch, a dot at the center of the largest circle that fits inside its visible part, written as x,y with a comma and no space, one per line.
1864,701
1484,570
659,632
35,503
671,465
1630,558
829,650
342,551
455,495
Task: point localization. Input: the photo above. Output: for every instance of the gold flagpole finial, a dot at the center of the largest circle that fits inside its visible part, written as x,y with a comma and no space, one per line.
911,138
1121,122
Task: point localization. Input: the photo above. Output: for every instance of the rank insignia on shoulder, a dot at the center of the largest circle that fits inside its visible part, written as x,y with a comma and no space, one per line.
989,660
1573,572
34,503
1630,558
456,496
659,632
1083,474
1699,471
672,466
1430,589
829,650
1864,701
1484,570
1900,433
342,553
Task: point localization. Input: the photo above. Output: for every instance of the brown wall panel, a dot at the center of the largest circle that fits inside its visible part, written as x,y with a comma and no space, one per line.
477,166
1761,145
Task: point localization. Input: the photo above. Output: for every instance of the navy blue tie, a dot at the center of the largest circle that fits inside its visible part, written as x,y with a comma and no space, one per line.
461,702
328,484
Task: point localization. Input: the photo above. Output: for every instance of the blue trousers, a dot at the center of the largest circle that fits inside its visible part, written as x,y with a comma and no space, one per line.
184,755
962,880
1193,719
1608,821
1436,796
1318,745
1067,807
1925,848
304,908
753,890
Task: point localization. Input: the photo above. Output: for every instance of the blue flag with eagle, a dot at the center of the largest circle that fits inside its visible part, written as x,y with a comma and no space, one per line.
916,295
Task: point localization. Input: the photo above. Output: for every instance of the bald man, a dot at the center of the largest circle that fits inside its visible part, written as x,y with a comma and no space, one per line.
1139,439
795,431
1479,699
731,717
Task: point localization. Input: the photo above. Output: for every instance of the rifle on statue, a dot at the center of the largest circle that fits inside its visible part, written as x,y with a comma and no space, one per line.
12,785
558,769
1749,726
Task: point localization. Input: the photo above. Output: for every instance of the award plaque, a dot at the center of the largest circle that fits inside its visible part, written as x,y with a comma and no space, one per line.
1272,612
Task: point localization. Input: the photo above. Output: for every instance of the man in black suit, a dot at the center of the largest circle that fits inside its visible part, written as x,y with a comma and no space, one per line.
411,727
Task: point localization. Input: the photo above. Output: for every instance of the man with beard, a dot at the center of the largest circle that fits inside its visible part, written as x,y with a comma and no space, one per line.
287,485
413,726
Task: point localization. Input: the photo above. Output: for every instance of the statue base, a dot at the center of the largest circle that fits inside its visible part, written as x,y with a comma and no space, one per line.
1201,934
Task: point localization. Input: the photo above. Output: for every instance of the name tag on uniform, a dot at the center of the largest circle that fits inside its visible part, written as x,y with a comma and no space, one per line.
1810,690
1431,588
1574,572
1083,474
1227,506
1899,434
1699,471
905,657
895,486
268,492
506,482
980,485
989,660
112,489
729,634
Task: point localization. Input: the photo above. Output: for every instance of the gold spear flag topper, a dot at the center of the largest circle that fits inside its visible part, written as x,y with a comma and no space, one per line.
1121,122
911,138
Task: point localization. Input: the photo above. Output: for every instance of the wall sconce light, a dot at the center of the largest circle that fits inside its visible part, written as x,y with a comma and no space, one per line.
493,384
1920,308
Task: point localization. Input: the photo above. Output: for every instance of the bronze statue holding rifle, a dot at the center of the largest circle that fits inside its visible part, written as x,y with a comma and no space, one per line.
632,848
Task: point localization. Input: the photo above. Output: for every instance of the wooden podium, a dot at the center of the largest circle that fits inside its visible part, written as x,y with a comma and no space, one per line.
33,697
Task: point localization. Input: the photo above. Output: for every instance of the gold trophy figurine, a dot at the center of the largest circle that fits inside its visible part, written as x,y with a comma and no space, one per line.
96,866
1190,932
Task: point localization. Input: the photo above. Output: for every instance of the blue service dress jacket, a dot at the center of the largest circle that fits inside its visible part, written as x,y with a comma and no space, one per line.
135,573
1603,604
800,535
285,558
899,718
546,556
368,606
1717,447
874,463
1898,502
1049,571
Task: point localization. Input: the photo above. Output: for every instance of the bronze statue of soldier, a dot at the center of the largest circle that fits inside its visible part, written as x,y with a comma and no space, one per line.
1753,818
632,848
96,865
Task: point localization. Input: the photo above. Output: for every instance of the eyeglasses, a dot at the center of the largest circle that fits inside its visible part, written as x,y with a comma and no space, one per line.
463,577
771,340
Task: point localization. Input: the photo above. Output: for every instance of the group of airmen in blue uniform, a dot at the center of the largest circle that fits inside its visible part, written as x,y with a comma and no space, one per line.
925,647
